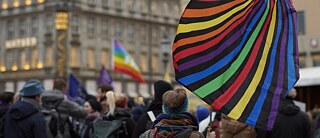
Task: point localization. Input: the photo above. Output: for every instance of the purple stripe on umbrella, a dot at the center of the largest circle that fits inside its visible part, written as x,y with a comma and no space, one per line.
276,96
225,45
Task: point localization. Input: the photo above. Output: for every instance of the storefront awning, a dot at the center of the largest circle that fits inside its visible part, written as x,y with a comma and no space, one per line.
309,77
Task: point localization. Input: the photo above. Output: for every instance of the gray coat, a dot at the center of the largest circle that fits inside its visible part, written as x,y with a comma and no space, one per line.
66,109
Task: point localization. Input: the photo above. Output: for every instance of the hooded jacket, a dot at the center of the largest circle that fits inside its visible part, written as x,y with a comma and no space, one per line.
124,115
66,109
160,87
290,122
24,120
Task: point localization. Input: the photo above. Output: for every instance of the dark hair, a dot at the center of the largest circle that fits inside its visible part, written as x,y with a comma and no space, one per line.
7,97
105,88
59,83
103,98
94,104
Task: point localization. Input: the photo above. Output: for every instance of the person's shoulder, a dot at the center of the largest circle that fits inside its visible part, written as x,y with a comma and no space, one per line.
304,116
196,134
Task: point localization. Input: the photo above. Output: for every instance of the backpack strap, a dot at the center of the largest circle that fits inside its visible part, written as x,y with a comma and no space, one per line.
60,125
151,116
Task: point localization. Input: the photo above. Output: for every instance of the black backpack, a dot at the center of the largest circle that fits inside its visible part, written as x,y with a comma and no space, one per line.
103,128
53,117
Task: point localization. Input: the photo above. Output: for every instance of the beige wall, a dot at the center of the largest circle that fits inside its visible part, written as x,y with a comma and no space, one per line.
312,17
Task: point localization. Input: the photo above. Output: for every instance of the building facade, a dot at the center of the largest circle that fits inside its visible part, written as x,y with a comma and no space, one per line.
309,48
44,39
309,32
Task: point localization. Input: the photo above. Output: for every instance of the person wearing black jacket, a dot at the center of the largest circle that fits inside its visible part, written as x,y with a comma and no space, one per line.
24,119
290,121
6,100
160,87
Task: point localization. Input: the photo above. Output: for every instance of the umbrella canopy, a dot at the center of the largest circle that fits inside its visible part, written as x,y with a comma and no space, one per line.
239,56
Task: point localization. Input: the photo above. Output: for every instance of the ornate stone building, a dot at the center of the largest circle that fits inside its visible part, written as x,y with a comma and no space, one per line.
43,39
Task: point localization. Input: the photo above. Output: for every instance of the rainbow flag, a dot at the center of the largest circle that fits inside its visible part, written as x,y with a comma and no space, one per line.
124,63
239,56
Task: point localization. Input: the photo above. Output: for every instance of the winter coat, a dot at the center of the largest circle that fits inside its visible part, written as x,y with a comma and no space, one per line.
174,125
66,109
156,108
290,122
88,126
138,111
230,128
124,115
24,120
3,108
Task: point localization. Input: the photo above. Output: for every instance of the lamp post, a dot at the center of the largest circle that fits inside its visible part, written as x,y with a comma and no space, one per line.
165,49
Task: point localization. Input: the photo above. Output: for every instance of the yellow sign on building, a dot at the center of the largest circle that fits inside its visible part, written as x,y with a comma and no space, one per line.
61,21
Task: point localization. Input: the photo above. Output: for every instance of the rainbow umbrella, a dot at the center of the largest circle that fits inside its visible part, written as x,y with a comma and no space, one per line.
239,56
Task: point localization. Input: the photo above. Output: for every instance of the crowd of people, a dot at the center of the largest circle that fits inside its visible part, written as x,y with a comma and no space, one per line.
38,113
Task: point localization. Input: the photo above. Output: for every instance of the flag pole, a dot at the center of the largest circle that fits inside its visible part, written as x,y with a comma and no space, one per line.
122,83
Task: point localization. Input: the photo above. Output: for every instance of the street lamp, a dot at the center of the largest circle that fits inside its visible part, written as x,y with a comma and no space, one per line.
165,49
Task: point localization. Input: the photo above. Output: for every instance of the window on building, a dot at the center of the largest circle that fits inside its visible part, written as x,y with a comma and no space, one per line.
9,58
132,54
10,27
22,28
160,7
143,34
170,8
49,23
105,58
74,57
75,24
48,56
34,57
23,58
118,31
301,22
166,9
104,29
143,6
154,8
130,4
34,26
143,62
130,32
155,36
105,3
91,59
118,3
155,63
91,25
302,61
316,59
176,10
92,2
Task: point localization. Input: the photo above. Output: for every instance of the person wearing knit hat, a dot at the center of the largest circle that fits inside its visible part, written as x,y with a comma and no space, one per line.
92,106
202,113
24,118
175,121
175,102
154,109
